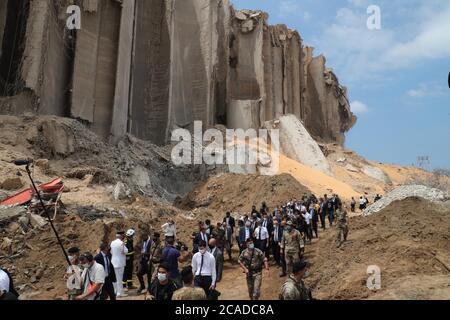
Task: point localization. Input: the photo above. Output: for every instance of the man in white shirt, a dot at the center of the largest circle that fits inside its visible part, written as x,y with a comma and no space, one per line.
204,269
93,278
119,260
262,237
170,229
307,216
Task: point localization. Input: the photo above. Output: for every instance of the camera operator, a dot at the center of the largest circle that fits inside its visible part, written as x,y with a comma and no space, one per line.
172,255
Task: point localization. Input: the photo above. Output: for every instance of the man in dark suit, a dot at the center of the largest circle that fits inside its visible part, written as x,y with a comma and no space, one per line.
218,256
104,258
245,232
229,220
277,233
201,236
144,268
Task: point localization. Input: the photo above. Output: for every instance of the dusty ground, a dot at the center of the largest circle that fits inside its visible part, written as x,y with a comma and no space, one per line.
409,241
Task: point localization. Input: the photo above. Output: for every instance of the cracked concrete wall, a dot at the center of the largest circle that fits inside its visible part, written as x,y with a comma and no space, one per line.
329,115
146,67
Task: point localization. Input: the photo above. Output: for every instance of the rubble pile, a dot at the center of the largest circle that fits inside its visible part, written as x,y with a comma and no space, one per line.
404,192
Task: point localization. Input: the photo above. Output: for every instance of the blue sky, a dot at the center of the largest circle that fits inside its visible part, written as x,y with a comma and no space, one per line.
396,76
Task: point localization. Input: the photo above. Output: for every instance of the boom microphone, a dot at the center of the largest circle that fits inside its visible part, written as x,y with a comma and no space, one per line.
22,162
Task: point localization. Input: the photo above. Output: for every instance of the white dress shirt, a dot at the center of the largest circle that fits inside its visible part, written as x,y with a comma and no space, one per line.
119,254
263,232
207,269
170,230
4,281
307,217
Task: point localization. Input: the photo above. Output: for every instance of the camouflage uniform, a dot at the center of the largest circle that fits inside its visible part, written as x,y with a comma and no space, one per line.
189,293
255,265
292,244
293,290
341,217
155,257
219,235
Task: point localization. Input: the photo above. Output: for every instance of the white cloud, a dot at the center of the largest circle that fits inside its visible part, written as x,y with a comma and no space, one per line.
409,35
427,90
358,107
292,8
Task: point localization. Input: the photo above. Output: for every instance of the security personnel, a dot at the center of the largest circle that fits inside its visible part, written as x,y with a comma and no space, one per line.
128,273
252,261
342,225
294,288
155,254
292,246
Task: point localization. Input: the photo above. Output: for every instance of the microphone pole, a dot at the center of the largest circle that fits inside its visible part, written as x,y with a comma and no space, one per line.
27,163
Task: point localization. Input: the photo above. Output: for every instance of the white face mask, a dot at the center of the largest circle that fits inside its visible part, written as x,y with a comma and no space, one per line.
251,246
202,251
86,265
162,277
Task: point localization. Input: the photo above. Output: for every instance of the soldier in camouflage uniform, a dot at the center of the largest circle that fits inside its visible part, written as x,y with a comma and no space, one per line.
342,225
252,261
155,254
294,288
219,234
292,246
189,292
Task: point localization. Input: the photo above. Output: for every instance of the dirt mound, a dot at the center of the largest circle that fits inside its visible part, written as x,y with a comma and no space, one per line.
233,192
408,240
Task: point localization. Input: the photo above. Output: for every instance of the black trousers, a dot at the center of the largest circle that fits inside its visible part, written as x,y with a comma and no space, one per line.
203,282
144,270
315,227
128,273
276,252
322,220
108,290
262,245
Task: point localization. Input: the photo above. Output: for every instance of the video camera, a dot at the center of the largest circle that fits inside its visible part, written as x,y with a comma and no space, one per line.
181,246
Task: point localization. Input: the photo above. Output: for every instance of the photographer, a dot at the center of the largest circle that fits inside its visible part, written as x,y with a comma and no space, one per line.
171,255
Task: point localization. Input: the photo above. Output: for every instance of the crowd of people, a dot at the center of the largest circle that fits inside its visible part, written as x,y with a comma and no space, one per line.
264,237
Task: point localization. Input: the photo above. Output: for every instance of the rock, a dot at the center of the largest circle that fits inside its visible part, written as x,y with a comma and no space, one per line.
351,168
44,164
297,143
13,227
11,213
33,279
240,16
12,184
121,191
39,273
376,173
248,26
37,221
405,192
24,222
6,246
341,160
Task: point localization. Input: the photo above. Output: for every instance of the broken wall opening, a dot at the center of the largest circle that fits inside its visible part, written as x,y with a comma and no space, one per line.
13,19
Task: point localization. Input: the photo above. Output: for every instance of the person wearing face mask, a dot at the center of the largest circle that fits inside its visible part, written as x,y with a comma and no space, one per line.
73,274
294,288
204,269
252,261
162,287
93,278
291,246
219,235
104,258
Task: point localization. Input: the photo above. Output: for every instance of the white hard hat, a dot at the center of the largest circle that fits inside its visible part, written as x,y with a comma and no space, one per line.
130,233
